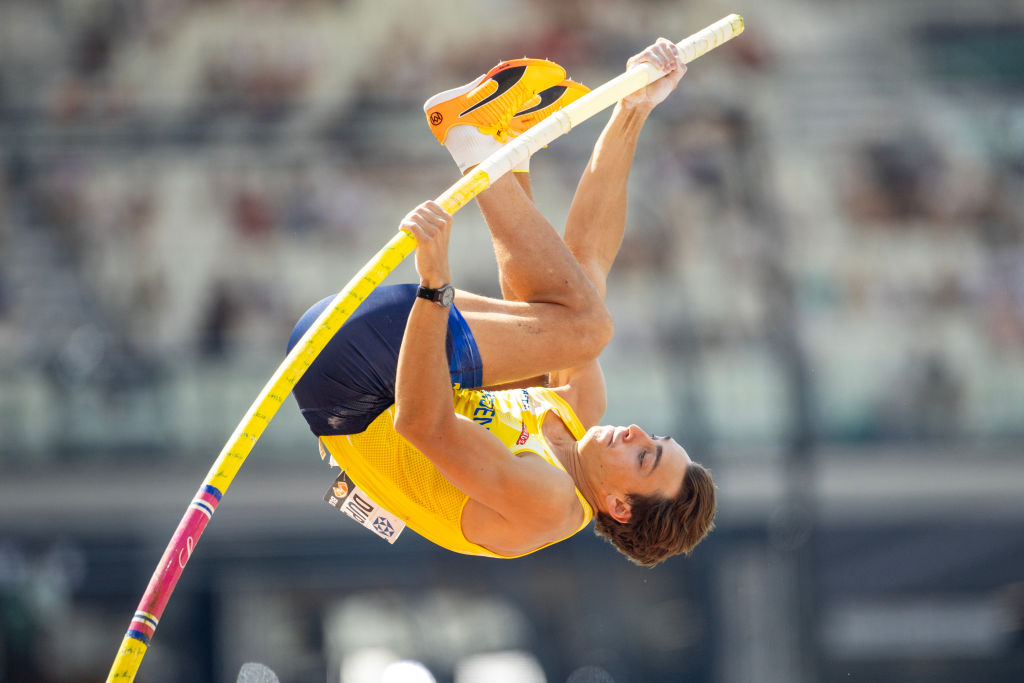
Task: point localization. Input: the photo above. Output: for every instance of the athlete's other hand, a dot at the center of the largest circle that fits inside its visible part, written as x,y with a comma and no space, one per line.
431,226
664,54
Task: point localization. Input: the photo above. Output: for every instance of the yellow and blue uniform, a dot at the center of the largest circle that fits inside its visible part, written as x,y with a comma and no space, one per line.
403,481
353,379
347,397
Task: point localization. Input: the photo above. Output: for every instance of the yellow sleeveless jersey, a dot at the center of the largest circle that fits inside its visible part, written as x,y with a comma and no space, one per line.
403,481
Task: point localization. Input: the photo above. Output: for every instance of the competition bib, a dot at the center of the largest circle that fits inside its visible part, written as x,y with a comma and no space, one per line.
345,496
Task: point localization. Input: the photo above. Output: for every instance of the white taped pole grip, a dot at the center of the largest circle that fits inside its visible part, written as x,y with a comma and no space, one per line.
710,37
561,122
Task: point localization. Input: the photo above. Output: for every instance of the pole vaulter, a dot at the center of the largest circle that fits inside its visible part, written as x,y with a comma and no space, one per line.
232,456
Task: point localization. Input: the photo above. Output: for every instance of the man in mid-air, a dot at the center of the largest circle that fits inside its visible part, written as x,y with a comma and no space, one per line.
411,396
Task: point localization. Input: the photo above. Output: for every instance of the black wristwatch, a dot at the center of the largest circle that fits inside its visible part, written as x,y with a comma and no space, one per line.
443,295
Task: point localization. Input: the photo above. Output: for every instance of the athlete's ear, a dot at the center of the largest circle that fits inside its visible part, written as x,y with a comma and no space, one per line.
618,508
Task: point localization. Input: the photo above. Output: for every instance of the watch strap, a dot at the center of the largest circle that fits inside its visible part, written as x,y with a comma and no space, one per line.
442,295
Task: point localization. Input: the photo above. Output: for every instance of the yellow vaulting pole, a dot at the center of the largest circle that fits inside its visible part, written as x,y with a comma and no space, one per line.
302,355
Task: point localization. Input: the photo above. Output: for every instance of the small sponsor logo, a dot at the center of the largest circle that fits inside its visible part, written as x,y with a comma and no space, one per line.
436,118
383,527
547,98
339,491
185,553
523,436
358,507
505,79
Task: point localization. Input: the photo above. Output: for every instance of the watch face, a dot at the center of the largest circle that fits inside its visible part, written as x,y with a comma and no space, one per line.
447,295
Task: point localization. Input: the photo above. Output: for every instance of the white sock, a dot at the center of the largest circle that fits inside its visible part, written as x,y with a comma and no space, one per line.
468,147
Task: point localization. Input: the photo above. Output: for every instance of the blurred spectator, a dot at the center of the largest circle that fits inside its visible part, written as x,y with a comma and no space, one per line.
894,180
58,203
1000,225
220,316
1004,299
252,213
302,210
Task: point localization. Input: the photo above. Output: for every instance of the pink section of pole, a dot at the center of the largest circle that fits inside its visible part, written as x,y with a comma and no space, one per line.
173,562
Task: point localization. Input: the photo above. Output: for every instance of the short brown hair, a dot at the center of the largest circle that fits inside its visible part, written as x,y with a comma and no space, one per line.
661,527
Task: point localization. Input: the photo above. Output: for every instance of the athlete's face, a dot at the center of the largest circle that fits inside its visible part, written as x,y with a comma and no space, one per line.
628,460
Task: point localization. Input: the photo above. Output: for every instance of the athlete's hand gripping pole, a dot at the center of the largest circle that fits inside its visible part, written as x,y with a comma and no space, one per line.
256,419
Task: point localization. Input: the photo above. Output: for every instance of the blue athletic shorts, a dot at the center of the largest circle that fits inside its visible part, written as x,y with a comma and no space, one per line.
352,381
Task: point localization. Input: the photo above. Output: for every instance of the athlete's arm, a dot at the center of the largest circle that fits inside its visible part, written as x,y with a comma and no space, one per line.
422,386
519,489
597,216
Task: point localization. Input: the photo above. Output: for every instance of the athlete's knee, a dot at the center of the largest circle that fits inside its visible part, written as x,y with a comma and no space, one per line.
592,329
591,323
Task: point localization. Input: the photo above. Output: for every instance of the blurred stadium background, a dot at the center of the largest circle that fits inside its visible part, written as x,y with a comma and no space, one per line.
821,294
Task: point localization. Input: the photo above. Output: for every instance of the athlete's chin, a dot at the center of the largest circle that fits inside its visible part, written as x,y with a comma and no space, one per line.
601,436
592,436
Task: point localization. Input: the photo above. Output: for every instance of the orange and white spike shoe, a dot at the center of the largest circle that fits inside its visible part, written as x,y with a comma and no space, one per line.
489,102
545,103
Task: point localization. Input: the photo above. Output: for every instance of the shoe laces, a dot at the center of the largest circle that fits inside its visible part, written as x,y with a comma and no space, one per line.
501,130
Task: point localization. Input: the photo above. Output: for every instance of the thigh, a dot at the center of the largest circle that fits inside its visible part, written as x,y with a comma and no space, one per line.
518,340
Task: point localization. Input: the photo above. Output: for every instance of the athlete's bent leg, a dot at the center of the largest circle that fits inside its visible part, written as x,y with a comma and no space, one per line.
520,339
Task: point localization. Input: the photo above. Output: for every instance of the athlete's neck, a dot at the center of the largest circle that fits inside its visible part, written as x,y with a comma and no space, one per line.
566,449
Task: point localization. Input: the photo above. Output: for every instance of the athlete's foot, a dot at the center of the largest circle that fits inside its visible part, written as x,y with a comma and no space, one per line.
544,104
489,102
